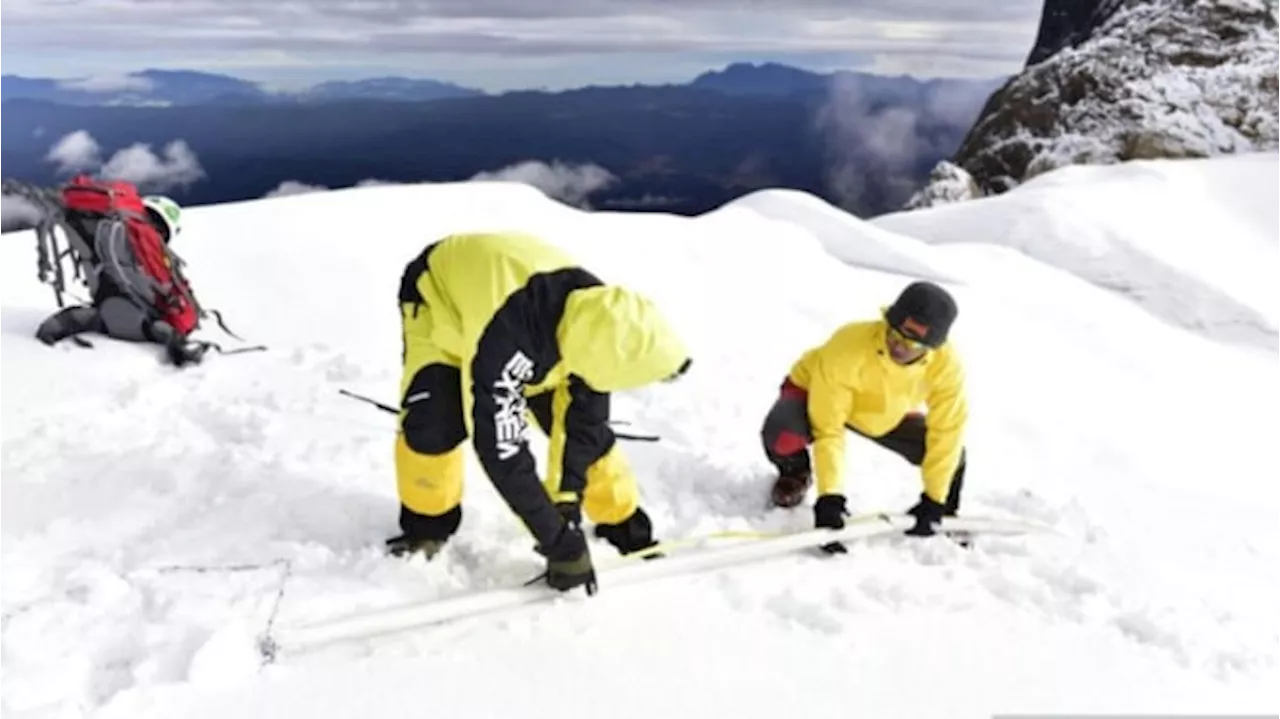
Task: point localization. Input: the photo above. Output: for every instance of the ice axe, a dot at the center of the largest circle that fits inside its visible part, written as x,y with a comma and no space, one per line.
392,410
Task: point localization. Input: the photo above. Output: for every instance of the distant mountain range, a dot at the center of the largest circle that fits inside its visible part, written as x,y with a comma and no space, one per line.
188,87
864,142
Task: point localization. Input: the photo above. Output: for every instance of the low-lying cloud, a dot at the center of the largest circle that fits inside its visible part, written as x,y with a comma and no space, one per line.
139,165
866,137
294,187
177,166
571,184
16,213
109,83
75,152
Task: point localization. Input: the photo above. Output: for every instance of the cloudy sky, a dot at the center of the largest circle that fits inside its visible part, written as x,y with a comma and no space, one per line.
505,44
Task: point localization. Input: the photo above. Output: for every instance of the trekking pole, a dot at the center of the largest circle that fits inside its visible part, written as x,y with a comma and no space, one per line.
637,437
235,350
392,410
384,407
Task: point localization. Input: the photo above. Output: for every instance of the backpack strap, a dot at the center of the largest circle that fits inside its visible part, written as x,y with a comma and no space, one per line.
176,265
111,244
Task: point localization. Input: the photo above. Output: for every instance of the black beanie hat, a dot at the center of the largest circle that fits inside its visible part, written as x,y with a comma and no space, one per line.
923,311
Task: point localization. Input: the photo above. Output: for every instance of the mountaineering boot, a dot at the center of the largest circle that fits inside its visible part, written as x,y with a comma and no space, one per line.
631,535
790,488
176,347
183,353
67,323
404,546
422,533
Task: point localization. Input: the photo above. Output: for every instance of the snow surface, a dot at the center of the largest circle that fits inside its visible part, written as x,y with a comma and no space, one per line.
152,518
1193,242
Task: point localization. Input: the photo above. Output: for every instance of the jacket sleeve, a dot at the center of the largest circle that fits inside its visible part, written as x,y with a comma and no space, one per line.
499,373
945,423
585,432
829,400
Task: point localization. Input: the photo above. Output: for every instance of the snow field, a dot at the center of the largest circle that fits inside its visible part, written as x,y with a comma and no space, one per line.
151,517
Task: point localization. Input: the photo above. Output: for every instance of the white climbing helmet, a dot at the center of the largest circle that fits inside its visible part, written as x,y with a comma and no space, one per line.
167,211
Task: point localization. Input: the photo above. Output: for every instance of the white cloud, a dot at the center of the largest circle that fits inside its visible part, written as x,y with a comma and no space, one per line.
178,167
293,187
571,184
109,83
568,183
138,164
863,138
17,213
76,152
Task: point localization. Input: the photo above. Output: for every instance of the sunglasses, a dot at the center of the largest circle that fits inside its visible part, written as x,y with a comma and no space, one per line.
911,343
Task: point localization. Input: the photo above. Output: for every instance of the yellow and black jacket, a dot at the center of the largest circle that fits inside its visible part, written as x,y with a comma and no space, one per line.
519,317
851,381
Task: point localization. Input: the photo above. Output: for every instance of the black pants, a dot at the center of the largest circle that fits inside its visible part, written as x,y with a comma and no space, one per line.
786,436
434,423
114,316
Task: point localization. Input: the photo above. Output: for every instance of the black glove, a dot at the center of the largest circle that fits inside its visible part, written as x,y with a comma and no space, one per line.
927,513
829,513
569,561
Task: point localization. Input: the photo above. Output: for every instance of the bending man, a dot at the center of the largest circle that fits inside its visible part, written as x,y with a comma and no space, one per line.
495,325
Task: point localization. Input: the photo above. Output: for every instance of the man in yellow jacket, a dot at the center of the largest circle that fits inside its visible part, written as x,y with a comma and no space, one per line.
871,377
495,325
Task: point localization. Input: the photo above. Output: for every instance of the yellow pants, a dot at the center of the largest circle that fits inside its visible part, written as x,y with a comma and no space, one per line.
429,445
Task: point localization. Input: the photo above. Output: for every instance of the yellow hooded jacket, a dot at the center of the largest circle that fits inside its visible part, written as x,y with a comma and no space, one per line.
852,381
519,317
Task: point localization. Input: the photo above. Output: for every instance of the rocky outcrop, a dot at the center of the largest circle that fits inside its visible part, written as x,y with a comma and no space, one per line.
947,183
1067,23
1156,79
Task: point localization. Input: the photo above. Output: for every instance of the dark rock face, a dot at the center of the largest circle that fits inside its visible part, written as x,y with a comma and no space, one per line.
1067,23
1156,79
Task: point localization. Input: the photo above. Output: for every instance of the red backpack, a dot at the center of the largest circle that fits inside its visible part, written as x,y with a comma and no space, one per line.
114,242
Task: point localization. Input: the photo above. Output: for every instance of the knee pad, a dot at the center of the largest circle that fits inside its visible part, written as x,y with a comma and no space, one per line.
794,465
786,428
787,443
426,434
432,421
